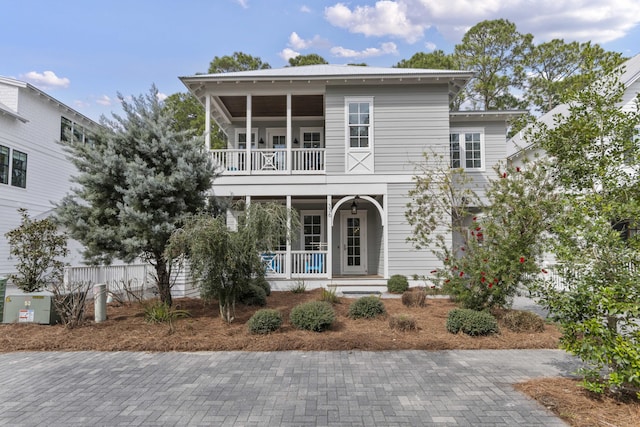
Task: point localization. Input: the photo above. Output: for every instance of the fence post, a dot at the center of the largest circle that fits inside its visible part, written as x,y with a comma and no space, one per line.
100,302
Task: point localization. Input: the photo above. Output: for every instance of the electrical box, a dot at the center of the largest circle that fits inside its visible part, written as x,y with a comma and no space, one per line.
34,307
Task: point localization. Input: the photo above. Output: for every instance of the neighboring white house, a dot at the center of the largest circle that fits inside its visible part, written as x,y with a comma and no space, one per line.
340,144
34,171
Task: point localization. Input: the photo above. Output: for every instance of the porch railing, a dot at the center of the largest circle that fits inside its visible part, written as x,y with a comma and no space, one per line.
269,161
303,264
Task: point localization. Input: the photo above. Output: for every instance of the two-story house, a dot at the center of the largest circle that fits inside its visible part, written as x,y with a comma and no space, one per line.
34,170
339,144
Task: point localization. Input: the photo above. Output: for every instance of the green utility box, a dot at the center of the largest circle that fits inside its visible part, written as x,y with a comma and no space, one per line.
34,307
3,285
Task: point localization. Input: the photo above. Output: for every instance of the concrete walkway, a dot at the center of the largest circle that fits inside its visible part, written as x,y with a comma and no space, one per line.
354,388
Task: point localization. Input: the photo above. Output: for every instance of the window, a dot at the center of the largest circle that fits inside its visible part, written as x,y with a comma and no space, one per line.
13,163
19,169
4,165
359,123
311,138
72,129
466,149
312,223
241,138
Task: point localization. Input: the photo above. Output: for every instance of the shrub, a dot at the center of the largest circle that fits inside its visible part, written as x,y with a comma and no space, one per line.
523,321
367,307
298,288
264,321
264,284
253,295
402,322
414,298
329,295
397,284
161,312
314,316
471,322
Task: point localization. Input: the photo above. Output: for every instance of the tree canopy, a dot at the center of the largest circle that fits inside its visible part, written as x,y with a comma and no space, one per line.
239,61
310,59
137,183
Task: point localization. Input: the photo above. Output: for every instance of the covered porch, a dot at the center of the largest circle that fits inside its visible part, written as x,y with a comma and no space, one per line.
340,237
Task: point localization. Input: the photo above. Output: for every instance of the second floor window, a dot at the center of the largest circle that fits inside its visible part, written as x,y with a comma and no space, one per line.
466,149
13,163
359,123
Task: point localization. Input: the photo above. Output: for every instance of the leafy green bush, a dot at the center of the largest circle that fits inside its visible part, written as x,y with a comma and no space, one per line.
263,283
161,312
397,284
253,295
367,307
471,322
314,316
329,295
414,298
264,321
523,321
402,322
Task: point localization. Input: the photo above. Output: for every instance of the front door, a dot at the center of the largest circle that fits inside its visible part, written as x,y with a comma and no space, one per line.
354,242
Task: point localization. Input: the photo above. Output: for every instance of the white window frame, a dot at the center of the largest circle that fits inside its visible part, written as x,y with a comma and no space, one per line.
304,130
321,214
370,125
254,137
461,132
11,154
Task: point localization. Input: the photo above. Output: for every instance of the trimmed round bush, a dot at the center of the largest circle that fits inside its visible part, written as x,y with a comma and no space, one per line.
264,284
402,322
414,298
397,284
471,322
314,316
264,321
253,295
366,307
523,321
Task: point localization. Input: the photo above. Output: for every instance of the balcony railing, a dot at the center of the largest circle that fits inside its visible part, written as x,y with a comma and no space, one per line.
269,161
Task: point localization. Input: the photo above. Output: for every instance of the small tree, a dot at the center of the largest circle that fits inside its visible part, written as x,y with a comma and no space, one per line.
38,247
501,240
223,261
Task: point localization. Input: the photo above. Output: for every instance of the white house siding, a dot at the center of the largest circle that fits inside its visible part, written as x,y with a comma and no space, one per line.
48,171
403,257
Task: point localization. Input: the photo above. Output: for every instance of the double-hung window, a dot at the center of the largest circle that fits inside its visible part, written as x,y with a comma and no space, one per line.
466,149
359,113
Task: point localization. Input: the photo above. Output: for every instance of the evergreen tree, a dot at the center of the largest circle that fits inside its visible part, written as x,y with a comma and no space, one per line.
137,183
239,61
310,59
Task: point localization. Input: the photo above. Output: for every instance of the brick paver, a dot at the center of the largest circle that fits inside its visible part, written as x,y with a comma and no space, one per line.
347,388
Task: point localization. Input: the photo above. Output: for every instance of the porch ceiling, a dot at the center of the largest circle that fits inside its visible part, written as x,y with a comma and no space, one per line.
274,106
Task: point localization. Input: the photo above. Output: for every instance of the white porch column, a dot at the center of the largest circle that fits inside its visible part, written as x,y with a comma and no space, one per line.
329,259
289,134
207,123
287,261
248,161
385,234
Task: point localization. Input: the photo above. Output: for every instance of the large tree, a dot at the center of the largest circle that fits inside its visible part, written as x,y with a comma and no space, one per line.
239,61
495,50
188,115
556,69
437,60
137,183
310,59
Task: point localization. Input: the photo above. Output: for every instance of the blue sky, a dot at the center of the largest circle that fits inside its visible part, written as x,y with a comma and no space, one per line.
83,52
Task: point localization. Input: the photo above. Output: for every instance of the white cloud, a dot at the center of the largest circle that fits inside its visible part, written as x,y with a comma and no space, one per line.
243,3
297,42
430,46
288,53
46,80
385,49
386,18
104,100
162,96
81,104
305,9
580,20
